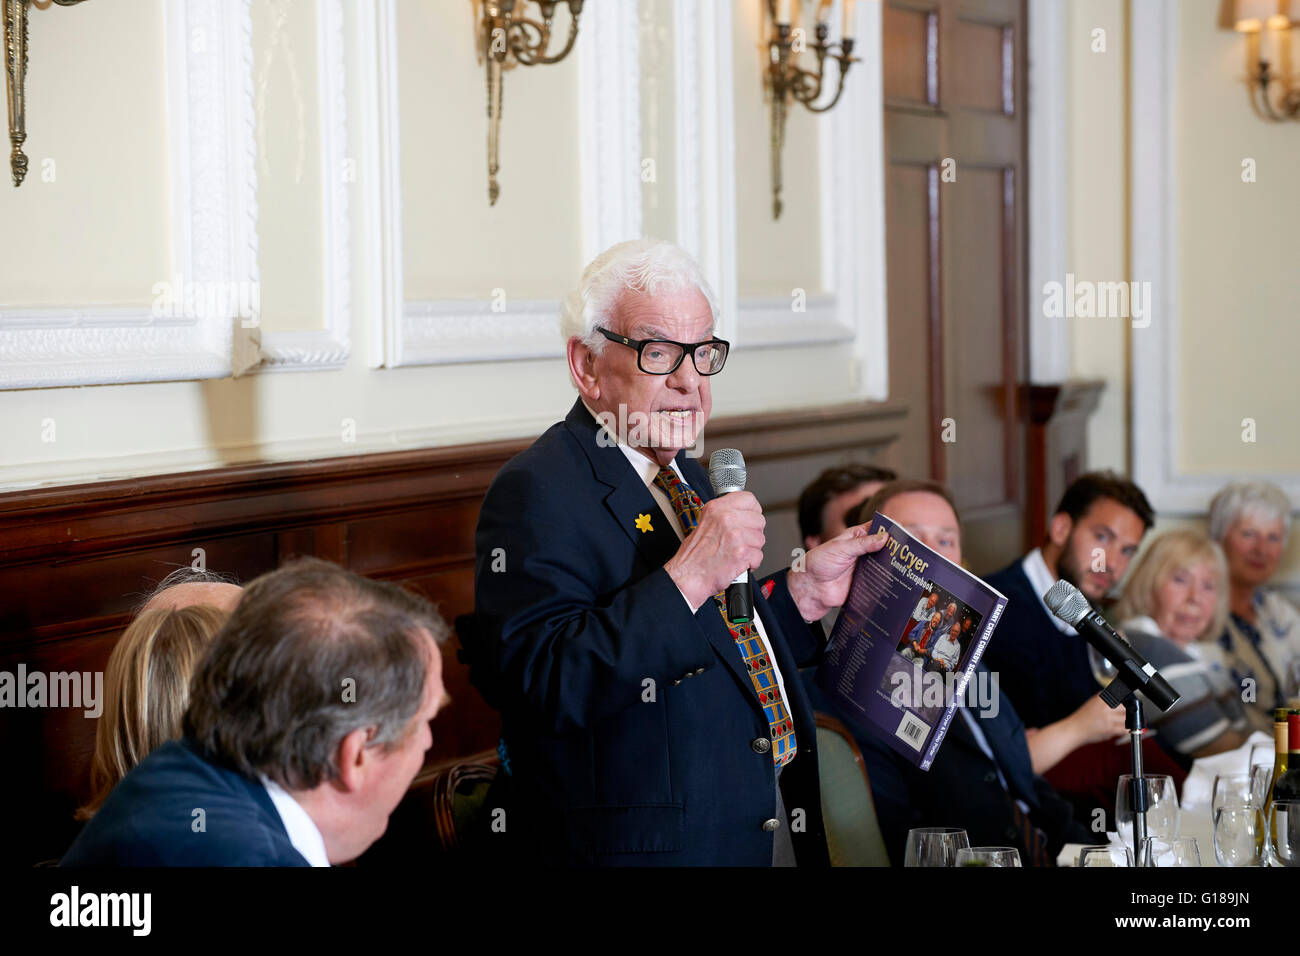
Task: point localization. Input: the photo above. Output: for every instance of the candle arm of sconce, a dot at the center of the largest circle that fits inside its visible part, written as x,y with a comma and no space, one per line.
845,61
1259,98
533,54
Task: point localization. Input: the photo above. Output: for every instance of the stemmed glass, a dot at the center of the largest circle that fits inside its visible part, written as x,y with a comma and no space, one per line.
934,846
1232,790
1105,856
1181,852
1261,755
1236,836
988,856
1237,839
1162,808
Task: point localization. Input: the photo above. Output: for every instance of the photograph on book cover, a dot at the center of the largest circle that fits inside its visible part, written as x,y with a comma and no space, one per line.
936,639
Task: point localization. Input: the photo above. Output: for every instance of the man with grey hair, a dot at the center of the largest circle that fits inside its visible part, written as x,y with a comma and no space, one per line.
307,721
1251,520
640,725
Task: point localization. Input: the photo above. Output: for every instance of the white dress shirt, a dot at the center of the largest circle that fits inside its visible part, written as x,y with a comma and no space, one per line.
304,836
648,469
1041,580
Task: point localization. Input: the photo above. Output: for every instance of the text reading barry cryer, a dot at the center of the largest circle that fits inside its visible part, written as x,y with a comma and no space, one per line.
75,908
58,689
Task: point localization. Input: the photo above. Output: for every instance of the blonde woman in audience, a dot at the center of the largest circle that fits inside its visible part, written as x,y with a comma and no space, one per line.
1251,519
1174,604
146,690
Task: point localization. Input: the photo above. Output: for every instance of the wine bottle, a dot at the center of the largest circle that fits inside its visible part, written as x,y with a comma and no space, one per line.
1280,753
1286,786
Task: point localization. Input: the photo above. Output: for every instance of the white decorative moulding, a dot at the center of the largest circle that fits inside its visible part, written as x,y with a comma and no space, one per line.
214,228
330,346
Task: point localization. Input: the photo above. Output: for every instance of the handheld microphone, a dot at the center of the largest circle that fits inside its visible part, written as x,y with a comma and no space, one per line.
727,474
1069,604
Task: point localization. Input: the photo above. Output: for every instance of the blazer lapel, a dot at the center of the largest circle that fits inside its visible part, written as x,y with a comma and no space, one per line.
629,500
633,508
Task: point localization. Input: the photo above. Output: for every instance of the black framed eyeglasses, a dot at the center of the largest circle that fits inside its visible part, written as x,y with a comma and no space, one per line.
662,356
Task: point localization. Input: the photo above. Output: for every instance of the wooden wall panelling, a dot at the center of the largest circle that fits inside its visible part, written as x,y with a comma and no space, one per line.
74,562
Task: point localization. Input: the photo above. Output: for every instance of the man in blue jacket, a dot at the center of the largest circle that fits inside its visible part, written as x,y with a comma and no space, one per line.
639,727
307,721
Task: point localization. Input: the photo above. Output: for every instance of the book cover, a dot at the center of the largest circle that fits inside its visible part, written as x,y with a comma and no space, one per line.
907,641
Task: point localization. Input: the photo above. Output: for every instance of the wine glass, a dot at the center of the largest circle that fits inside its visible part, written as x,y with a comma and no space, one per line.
1233,790
1261,755
934,846
1105,856
1236,835
1162,808
1181,852
1261,782
988,856
1284,831
1102,670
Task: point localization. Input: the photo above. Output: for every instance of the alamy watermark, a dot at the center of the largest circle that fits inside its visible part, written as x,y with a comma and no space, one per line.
659,429
84,689
919,688
1084,299
182,298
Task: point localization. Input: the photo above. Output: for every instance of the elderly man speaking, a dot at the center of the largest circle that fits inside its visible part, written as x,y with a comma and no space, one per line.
639,726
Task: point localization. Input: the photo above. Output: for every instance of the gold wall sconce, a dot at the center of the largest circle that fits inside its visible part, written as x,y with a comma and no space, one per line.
15,14
785,81
508,39
1274,92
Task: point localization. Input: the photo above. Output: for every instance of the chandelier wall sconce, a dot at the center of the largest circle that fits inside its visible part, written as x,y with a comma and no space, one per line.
1273,87
15,14
508,39
785,81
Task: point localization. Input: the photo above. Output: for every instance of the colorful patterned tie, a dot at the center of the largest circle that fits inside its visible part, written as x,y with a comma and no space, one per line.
687,505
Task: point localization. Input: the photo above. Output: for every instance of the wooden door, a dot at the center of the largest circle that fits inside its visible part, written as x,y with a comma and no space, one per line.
955,134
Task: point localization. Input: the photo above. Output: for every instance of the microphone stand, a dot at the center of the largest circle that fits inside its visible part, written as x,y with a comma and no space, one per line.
1136,724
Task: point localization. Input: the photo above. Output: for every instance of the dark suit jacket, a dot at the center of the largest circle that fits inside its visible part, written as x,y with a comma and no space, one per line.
961,788
149,819
631,728
1043,670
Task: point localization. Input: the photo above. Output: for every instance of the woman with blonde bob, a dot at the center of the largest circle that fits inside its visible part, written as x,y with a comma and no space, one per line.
1176,599
147,682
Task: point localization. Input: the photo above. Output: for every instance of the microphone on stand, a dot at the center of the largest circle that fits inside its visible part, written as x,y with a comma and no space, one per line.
727,474
1134,674
1068,603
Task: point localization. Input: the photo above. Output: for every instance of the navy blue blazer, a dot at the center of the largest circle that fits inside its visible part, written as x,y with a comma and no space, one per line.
1043,670
149,818
632,731
962,789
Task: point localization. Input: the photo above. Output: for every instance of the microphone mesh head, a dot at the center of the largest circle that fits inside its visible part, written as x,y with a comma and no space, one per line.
1067,602
727,471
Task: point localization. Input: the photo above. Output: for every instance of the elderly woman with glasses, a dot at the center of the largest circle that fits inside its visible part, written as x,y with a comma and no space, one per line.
1262,638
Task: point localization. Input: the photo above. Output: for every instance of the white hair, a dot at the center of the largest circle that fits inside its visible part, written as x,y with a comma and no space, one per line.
1260,498
648,266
